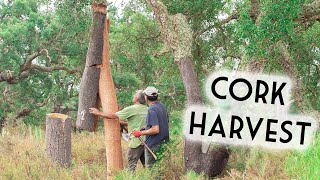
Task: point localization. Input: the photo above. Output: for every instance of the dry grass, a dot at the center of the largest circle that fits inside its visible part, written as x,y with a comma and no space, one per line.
23,156
247,163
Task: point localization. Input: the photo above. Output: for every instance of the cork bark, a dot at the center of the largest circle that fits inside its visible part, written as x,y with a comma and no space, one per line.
58,139
89,85
109,104
213,162
97,118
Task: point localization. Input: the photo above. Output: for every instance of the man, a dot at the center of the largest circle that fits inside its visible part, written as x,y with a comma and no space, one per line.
135,115
157,127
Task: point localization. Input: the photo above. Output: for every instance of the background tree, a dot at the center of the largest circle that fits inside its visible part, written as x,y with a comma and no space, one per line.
41,53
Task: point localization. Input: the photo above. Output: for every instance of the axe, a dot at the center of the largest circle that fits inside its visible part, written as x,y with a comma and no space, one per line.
146,146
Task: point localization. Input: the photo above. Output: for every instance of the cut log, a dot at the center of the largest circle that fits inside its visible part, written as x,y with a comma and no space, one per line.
109,104
89,86
58,139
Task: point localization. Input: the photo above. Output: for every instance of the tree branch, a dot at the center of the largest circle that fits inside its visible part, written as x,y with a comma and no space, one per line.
233,16
290,69
10,78
310,12
25,111
254,11
28,63
53,68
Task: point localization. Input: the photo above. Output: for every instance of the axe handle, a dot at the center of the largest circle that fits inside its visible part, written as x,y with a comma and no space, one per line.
146,146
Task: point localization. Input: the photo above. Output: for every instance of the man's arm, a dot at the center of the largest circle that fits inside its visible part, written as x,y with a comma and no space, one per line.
152,131
96,112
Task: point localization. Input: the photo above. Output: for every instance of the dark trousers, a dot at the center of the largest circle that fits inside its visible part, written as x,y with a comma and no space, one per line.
134,154
149,158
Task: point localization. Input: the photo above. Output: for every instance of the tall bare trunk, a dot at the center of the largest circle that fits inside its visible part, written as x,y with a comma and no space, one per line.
109,104
213,162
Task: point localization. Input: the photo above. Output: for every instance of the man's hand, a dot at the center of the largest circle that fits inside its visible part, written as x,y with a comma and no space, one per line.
137,133
94,111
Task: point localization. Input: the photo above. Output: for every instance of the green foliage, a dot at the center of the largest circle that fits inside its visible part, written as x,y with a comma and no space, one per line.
27,27
279,23
275,24
305,164
134,39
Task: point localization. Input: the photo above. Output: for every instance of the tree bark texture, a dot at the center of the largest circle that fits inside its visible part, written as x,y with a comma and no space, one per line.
290,70
212,163
109,104
2,121
97,118
177,36
89,85
58,139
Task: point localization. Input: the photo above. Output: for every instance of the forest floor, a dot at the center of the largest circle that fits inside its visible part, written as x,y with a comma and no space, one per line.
23,156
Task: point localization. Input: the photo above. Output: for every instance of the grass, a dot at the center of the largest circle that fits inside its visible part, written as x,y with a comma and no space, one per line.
305,165
23,156
255,163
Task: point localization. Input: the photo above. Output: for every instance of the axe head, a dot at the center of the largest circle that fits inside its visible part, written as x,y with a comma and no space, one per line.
125,136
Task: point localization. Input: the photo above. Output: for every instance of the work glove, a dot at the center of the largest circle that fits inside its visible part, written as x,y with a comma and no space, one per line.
137,133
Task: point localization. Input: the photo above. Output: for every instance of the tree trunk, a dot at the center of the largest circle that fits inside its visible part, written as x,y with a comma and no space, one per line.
177,36
212,163
97,118
2,121
109,104
89,85
290,70
58,139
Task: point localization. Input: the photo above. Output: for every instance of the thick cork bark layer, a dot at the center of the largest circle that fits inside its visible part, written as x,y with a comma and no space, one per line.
89,86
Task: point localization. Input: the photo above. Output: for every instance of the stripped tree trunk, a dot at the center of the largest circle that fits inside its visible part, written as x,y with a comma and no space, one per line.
58,139
109,104
177,36
89,85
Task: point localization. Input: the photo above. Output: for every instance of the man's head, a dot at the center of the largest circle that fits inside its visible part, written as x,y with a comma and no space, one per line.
139,97
151,93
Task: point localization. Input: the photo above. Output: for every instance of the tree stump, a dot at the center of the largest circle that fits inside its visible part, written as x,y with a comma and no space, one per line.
58,139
